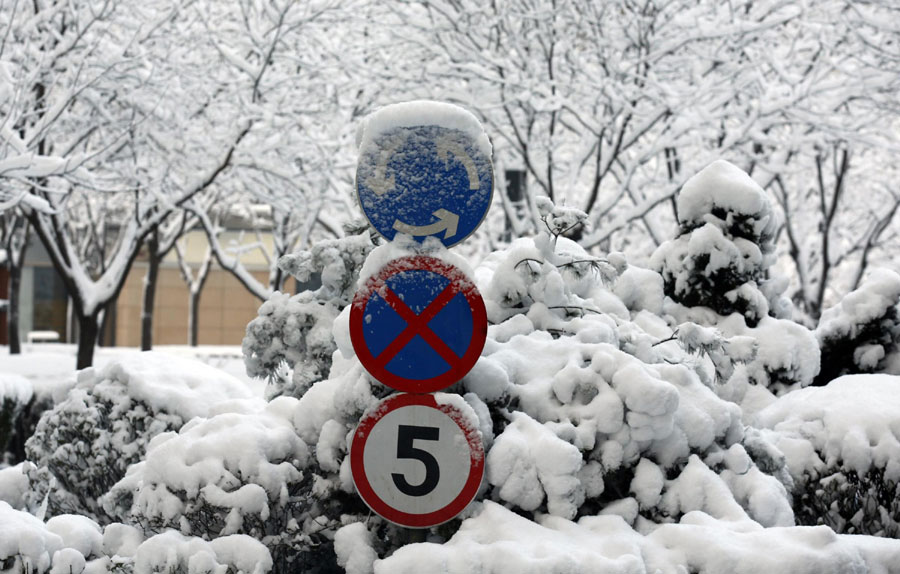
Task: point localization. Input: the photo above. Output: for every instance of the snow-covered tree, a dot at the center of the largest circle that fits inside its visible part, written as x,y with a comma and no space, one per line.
861,334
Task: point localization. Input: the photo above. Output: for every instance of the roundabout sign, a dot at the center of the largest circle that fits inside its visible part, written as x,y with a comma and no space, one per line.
425,181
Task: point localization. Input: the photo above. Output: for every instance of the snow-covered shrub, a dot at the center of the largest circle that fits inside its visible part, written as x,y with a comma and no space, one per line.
233,473
16,394
69,544
726,242
290,342
714,277
13,485
841,444
861,334
580,411
84,444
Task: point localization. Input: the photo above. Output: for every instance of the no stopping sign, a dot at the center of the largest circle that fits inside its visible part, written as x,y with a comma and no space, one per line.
416,462
418,325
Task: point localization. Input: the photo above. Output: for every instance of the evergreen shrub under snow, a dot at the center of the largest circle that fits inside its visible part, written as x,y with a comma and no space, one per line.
289,343
83,445
15,396
861,333
841,444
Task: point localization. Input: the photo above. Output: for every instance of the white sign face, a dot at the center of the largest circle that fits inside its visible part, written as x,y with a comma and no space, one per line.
416,463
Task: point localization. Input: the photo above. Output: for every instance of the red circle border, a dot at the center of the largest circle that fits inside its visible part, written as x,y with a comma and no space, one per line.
379,506
463,285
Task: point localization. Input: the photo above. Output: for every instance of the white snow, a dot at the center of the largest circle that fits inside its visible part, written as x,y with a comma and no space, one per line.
13,485
236,461
15,388
171,551
168,383
421,113
851,422
353,547
498,540
879,291
721,185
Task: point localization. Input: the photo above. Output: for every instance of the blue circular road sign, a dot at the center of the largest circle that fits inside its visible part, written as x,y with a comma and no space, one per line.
419,325
425,181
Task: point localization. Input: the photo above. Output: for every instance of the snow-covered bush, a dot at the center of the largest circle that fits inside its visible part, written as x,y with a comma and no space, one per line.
233,473
726,242
580,411
290,342
861,334
16,394
69,544
841,444
714,277
84,444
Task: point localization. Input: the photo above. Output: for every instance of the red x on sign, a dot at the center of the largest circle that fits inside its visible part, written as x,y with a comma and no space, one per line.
418,325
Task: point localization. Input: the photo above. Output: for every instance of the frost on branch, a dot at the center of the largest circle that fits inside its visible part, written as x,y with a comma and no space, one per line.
85,443
861,334
290,342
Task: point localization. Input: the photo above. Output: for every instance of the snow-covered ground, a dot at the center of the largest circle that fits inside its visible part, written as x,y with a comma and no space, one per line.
51,366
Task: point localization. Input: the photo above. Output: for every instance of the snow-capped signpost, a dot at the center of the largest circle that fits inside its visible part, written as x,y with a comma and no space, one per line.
418,323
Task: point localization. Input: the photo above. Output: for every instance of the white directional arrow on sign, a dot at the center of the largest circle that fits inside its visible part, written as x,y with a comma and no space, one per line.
447,145
447,220
379,183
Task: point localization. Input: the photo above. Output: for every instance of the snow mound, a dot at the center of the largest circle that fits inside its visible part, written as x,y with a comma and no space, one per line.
174,552
15,388
879,292
13,485
499,540
853,422
237,463
25,539
169,383
722,186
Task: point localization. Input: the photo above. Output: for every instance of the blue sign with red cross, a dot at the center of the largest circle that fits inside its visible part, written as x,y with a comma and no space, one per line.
418,325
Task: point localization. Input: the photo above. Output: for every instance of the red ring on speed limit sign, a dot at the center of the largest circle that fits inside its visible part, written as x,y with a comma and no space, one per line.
415,462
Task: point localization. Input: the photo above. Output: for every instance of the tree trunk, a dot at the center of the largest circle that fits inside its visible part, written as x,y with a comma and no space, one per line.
87,339
12,310
150,280
196,289
193,316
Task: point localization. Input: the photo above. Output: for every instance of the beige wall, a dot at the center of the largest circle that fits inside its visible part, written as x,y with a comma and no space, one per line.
225,308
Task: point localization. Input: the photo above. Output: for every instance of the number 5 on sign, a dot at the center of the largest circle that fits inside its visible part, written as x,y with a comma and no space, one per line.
415,462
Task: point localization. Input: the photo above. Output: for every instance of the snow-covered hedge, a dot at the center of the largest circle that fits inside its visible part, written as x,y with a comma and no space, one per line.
841,444
69,544
85,443
233,473
861,333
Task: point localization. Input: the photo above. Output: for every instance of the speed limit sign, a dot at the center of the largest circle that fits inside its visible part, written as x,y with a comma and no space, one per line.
416,462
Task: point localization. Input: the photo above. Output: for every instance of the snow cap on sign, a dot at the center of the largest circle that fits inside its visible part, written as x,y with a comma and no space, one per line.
422,113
